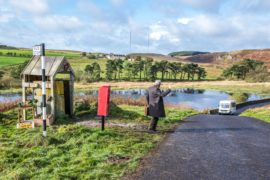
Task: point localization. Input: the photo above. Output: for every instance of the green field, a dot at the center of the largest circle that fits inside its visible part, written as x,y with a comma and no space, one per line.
80,63
66,53
77,152
12,60
6,60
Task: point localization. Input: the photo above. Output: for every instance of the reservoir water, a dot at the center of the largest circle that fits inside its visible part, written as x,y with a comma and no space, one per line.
194,98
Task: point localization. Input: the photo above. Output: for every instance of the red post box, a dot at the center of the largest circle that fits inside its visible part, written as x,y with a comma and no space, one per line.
103,103
103,100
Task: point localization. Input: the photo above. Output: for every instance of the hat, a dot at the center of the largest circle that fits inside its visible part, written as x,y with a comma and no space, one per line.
157,82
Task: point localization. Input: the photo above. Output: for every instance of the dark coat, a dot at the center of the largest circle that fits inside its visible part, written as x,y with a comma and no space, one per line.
155,102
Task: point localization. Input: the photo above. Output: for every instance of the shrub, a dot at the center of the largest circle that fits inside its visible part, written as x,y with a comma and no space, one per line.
79,75
1,74
8,105
8,82
260,74
62,118
247,69
240,97
82,106
16,72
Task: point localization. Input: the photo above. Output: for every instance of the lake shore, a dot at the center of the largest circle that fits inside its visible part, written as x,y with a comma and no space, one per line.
227,86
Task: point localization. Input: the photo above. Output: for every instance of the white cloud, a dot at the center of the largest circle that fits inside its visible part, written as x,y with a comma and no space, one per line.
210,25
32,6
57,22
160,31
184,20
4,18
5,14
89,25
89,8
256,6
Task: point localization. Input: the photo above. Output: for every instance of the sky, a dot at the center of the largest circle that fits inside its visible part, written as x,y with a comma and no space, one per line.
156,26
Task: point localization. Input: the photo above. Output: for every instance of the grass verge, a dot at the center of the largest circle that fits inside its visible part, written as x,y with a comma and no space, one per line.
262,113
78,152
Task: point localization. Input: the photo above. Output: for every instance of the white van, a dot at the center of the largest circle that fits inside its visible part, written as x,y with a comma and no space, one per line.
227,107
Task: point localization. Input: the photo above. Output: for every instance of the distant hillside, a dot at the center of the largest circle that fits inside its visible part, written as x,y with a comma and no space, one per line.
229,57
186,53
155,56
2,46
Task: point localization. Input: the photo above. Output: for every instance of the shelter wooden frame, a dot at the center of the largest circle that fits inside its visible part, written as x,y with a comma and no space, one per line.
31,79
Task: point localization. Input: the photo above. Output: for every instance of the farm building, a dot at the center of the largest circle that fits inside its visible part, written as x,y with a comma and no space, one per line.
115,56
59,87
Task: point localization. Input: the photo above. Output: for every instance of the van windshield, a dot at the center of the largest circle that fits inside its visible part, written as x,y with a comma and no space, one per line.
225,105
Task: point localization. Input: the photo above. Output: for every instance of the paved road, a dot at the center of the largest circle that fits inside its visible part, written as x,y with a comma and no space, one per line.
213,147
240,110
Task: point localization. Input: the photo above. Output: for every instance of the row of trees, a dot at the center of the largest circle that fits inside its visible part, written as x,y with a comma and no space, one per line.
92,55
148,69
247,69
93,72
14,54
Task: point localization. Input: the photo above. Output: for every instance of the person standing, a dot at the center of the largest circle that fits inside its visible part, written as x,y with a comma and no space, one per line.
155,103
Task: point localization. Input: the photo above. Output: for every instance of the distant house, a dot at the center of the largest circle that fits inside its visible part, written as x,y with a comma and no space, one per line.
100,55
112,56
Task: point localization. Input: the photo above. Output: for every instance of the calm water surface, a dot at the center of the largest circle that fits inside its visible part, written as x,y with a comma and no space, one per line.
197,99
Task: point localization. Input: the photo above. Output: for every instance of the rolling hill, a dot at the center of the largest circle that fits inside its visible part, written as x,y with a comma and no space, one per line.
187,53
221,58
158,57
231,57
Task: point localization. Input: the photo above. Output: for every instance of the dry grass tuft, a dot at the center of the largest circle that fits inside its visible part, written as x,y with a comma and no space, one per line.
118,100
8,105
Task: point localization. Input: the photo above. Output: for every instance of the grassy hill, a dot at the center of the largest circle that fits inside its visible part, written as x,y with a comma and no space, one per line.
186,53
214,63
158,57
222,59
229,57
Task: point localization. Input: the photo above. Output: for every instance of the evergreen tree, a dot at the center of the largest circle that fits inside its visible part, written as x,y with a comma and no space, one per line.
109,70
162,67
139,66
119,66
201,73
128,69
147,66
96,71
152,73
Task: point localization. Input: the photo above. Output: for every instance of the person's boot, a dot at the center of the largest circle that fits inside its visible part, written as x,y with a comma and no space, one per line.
155,124
152,125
